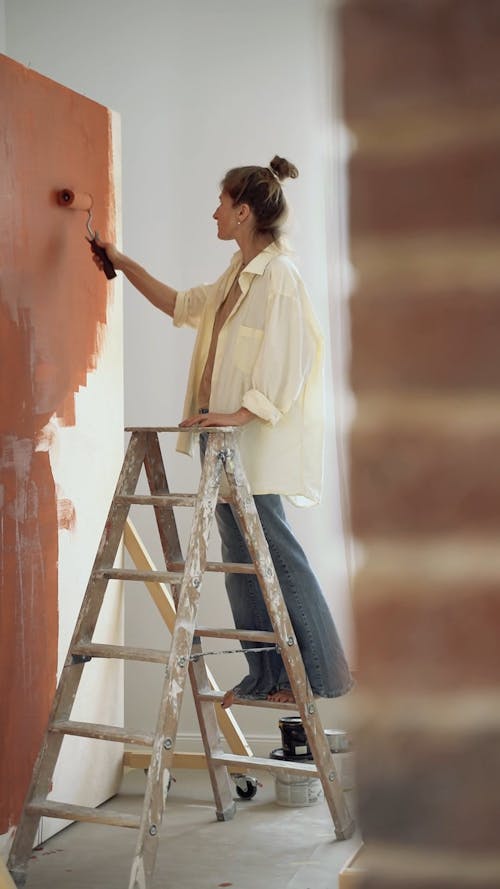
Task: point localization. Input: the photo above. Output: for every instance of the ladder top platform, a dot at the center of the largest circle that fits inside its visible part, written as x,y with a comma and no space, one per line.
182,428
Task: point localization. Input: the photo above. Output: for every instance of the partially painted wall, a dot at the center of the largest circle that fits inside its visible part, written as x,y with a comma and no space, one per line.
61,424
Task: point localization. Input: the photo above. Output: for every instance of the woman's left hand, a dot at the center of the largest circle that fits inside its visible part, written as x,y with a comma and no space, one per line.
238,418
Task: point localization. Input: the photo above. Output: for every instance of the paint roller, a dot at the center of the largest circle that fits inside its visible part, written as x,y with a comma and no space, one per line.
75,201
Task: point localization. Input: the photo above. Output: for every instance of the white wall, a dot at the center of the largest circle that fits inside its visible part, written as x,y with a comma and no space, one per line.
202,85
3,35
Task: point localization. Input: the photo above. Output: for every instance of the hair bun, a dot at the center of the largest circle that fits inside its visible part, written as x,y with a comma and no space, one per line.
283,168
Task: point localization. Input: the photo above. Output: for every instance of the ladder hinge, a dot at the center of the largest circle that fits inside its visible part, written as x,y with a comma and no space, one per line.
80,658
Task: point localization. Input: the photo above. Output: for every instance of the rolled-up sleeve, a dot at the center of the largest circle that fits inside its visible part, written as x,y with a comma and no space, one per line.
285,357
189,305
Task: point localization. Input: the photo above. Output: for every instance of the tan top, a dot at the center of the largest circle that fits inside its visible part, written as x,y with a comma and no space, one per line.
269,359
221,317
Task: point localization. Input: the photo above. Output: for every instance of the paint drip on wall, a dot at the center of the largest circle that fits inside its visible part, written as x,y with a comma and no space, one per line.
53,309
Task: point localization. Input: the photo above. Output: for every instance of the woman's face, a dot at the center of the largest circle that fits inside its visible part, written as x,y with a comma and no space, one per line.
226,216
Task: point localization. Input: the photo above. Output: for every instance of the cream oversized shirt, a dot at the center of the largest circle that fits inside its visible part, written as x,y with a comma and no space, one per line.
269,359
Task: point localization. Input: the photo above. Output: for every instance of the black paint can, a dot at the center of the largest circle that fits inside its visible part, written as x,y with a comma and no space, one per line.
293,736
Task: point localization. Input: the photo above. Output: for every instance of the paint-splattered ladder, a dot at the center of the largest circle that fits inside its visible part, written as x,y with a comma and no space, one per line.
185,578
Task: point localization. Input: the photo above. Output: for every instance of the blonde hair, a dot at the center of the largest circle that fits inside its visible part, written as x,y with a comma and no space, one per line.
260,188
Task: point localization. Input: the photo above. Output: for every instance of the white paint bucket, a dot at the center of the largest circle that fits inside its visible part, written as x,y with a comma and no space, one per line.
338,741
295,790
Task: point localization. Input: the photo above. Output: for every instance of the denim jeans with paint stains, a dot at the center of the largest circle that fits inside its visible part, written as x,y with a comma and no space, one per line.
318,640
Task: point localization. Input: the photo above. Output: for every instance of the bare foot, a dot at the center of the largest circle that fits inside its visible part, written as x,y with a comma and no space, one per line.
283,696
228,699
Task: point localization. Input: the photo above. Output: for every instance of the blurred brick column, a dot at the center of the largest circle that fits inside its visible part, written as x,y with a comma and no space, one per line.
421,97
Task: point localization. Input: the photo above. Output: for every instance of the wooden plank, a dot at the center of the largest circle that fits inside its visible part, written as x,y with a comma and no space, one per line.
69,680
220,567
195,430
55,809
6,881
133,574
233,633
258,763
122,652
140,759
163,600
352,873
152,428
159,499
159,593
217,696
253,534
102,732
182,641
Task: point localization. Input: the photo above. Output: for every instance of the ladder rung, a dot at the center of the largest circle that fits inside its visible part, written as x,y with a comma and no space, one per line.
55,809
132,574
230,760
158,499
121,652
224,567
232,633
216,696
102,732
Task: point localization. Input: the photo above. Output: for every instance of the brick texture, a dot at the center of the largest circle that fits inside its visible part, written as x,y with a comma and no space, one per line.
433,640
447,340
421,91
430,789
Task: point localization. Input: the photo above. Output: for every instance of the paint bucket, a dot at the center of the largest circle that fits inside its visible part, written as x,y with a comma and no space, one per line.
338,742
341,747
295,790
293,736
294,740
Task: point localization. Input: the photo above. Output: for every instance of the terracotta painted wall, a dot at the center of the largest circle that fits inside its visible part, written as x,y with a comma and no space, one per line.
54,307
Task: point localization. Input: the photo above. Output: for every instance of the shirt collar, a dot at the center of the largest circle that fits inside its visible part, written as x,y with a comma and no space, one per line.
257,265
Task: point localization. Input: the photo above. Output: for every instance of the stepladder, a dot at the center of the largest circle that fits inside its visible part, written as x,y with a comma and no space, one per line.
183,662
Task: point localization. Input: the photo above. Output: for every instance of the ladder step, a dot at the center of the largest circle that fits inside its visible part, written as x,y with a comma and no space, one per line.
101,732
54,809
158,499
121,652
217,696
132,574
224,567
173,576
232,633
247,763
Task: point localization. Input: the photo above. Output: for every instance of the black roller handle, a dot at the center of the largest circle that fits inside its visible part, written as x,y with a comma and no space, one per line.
108,268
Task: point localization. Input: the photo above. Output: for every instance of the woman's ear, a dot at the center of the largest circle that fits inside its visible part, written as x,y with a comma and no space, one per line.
244,212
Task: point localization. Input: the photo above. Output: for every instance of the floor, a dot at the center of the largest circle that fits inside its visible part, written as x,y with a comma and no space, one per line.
266,844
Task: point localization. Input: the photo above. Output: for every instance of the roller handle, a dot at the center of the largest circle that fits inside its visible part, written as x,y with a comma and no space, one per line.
101,253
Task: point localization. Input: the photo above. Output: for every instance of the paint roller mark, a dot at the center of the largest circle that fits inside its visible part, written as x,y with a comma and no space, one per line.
66,515
52,321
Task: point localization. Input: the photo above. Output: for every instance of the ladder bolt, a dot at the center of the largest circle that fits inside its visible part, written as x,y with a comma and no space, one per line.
167,743
80,659
331,776
153,830
225,454
182,662
311,708
196,582
290,641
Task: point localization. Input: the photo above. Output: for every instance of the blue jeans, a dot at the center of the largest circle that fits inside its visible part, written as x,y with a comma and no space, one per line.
319,644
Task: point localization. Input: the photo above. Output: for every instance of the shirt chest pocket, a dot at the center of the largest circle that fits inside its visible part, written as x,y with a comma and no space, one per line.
246,349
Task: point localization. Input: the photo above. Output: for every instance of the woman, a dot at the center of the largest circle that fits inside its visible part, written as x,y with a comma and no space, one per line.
257,363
